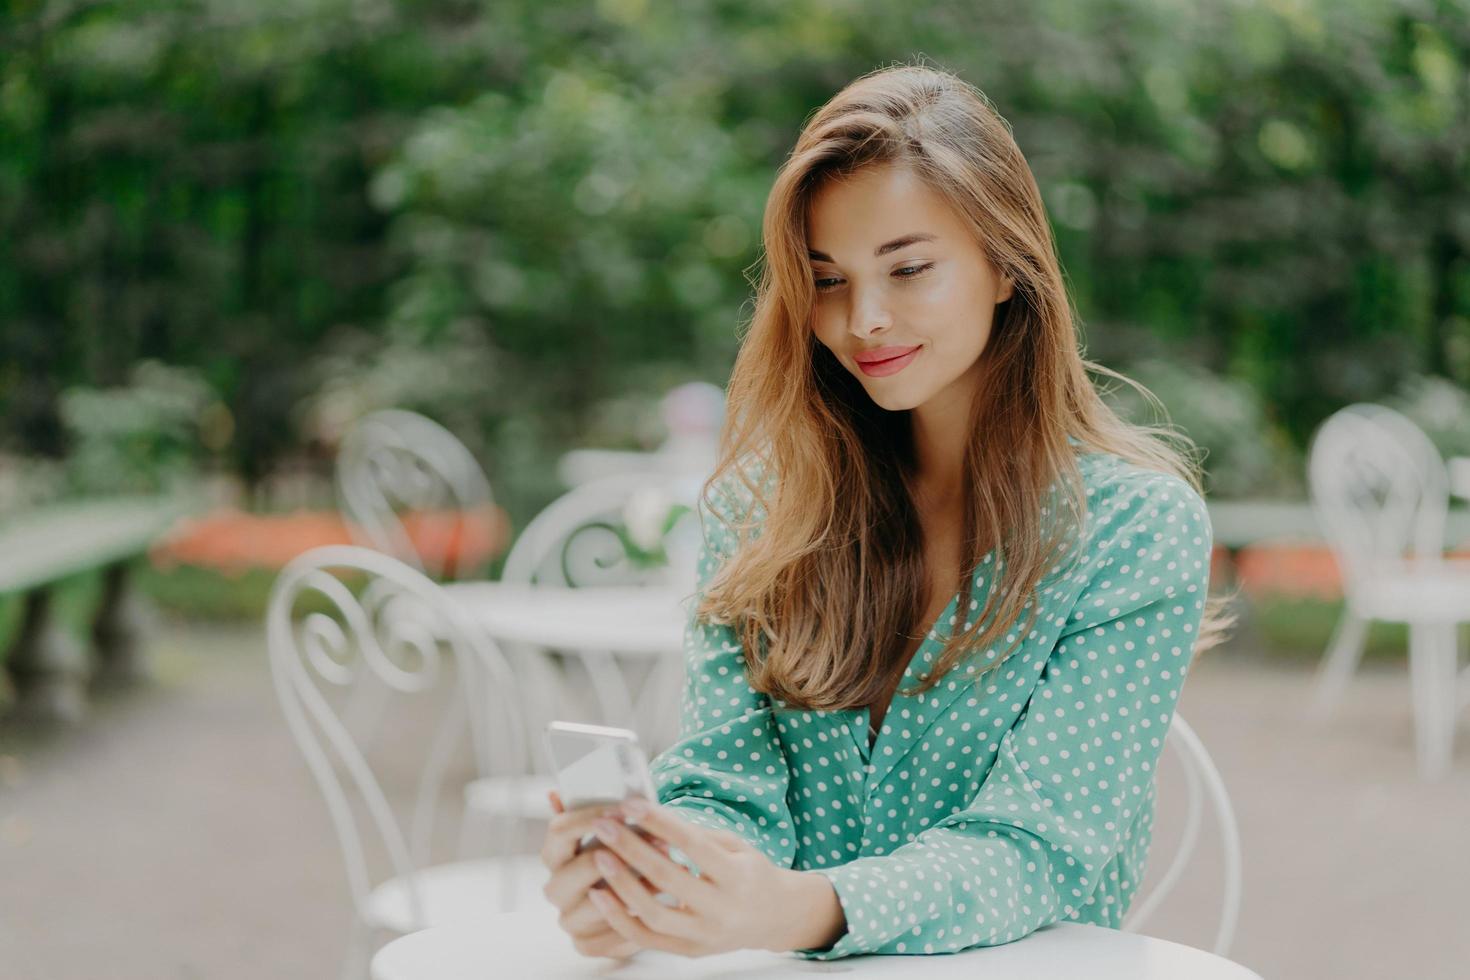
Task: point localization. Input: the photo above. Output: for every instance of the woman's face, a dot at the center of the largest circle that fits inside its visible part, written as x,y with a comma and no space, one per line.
899,276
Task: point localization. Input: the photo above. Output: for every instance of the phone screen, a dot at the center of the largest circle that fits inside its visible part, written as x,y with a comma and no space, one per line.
597,765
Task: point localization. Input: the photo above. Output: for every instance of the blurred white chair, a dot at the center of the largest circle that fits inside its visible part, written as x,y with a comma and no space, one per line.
396,466
397,628
1203,782
1381,495
394,461
573,543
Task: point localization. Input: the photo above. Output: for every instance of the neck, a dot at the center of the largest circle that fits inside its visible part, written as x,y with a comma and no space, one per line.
940,439
941,435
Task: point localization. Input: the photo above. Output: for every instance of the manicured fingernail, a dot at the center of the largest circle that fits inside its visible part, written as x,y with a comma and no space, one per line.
605,863
605,829
635,806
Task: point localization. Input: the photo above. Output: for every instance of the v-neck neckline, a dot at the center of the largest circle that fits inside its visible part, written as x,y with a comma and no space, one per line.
869,739
891,743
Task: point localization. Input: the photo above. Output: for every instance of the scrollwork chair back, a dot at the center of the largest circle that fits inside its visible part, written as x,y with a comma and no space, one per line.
396,461
398,628
1380,491
574,543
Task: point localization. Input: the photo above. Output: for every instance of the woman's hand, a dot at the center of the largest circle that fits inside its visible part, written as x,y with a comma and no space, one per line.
574,876
739,901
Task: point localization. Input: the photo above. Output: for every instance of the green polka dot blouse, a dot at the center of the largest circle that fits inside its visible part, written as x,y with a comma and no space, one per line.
982,811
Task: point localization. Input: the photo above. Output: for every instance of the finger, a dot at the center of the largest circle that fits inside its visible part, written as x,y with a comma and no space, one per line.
606,943
583,920
568,883
566,830
641,902
696,842
662,846
556,804
652,864
631,929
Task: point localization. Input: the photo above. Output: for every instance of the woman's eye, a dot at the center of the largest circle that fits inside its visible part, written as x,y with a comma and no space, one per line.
906,272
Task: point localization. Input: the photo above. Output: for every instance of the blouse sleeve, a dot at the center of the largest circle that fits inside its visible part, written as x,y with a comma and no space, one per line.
1076,768
727,770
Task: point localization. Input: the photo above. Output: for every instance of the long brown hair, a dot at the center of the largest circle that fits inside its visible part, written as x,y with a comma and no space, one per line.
832,580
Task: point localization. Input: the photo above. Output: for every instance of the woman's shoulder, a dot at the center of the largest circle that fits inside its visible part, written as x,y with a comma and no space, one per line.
1109,473
1123,494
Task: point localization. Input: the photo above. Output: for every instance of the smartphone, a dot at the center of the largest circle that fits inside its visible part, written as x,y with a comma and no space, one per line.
596,765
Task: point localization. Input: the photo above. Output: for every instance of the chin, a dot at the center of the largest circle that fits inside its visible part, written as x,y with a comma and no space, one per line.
894,401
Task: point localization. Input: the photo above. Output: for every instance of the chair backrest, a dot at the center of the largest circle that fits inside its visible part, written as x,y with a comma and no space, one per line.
395,462
1380,491
343,615
574,541
1205,789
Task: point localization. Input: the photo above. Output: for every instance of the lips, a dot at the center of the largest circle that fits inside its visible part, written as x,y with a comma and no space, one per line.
881,354
880,363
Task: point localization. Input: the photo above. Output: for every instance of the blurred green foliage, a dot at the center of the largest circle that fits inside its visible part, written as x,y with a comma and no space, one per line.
512,215
1440,408
140,437
1286,627
1243,453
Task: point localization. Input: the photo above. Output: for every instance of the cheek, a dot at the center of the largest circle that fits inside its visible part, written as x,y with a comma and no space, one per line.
961,319
946,301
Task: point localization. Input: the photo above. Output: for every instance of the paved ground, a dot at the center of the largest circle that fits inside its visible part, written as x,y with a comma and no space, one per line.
177,835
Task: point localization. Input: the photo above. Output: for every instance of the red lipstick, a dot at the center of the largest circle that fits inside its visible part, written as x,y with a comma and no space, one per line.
884,361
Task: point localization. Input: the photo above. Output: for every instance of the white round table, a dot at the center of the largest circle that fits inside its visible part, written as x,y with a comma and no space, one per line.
528,944
636,620
600,624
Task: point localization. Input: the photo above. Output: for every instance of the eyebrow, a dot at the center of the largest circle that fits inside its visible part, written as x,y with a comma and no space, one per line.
902,241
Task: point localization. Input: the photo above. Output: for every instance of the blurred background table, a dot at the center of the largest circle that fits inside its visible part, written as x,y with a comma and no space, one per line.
628,639
529,944
634,620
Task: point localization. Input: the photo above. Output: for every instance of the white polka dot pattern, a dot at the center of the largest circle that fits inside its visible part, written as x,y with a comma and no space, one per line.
984,810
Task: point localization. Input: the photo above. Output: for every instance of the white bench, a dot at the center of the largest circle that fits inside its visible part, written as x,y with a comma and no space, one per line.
49,671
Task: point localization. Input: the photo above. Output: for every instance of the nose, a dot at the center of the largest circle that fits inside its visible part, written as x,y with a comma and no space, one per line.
869,315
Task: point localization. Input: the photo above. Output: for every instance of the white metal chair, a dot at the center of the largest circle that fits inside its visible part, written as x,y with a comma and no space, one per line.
1205,787
401,629
572,544
394,461
1381,494
397,466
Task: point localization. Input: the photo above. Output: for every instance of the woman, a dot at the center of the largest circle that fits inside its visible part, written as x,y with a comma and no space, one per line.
947,597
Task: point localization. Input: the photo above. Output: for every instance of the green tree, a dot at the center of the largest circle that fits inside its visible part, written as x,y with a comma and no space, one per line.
564,199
